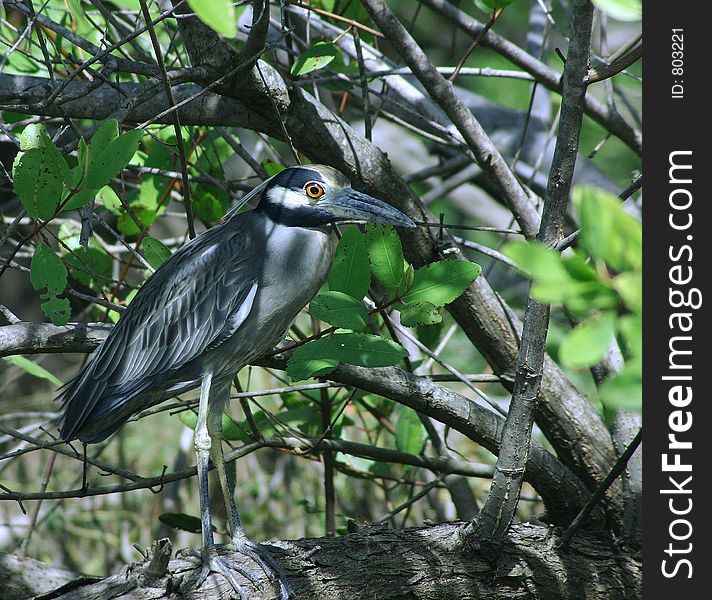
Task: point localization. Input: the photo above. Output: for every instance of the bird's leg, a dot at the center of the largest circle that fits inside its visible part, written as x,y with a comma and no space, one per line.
240,542
212,562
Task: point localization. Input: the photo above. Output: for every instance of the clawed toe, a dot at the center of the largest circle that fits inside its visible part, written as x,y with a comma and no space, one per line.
215,563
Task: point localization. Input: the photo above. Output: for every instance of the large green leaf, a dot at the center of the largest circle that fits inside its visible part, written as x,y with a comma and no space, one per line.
38,183
219,15
107,162
366,350
385,254
442,282
35,137
47,271
315,358
350,272
420,313
107,133
588,343
631,328
323,355
340,310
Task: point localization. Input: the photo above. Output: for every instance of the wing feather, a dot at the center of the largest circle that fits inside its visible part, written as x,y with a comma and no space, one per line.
194,302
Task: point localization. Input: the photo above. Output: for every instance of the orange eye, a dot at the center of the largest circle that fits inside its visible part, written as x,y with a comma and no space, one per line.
314,190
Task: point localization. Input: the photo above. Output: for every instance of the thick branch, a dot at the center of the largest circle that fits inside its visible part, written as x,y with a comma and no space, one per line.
413,563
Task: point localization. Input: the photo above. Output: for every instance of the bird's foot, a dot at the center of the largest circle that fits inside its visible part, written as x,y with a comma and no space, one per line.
259,553
216,559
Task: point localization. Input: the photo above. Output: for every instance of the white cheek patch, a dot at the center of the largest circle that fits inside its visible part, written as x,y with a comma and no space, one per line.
288,198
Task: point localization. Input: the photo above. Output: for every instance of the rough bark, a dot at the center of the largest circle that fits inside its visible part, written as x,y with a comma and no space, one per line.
418,563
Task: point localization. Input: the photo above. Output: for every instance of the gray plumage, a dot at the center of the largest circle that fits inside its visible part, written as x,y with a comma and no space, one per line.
188,316
212,307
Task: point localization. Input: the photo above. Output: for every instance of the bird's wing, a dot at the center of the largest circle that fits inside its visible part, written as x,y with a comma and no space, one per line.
192,303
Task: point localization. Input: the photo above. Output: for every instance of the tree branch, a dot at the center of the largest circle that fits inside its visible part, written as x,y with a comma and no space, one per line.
415,563
498,512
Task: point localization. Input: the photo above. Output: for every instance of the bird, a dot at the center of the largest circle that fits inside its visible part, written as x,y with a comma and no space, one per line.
217,303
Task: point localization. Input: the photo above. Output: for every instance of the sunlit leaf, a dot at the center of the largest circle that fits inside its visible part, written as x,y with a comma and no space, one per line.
589,341
350,272
340,310
385,254
442,282
219,15
107,162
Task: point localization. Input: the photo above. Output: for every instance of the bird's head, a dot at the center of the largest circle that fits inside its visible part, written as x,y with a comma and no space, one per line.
314,195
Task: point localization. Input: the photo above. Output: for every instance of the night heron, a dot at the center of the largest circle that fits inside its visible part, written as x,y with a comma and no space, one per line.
217,303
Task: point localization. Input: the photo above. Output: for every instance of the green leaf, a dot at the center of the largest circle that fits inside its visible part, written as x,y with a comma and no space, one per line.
48,271
81,24
621,10
315,358
420,313
340,310
272,168
385,254
497,4
630,287
323,355
181,521
410,433
219,15
108,131
631,328
90,266
107,162
156,251
22,63
38,183
316,57
80,199
539,263
608,232
625,390
588,342
35,137
58,310
442,282
109,199
350,272
366,350
32,368
188,418
235,431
